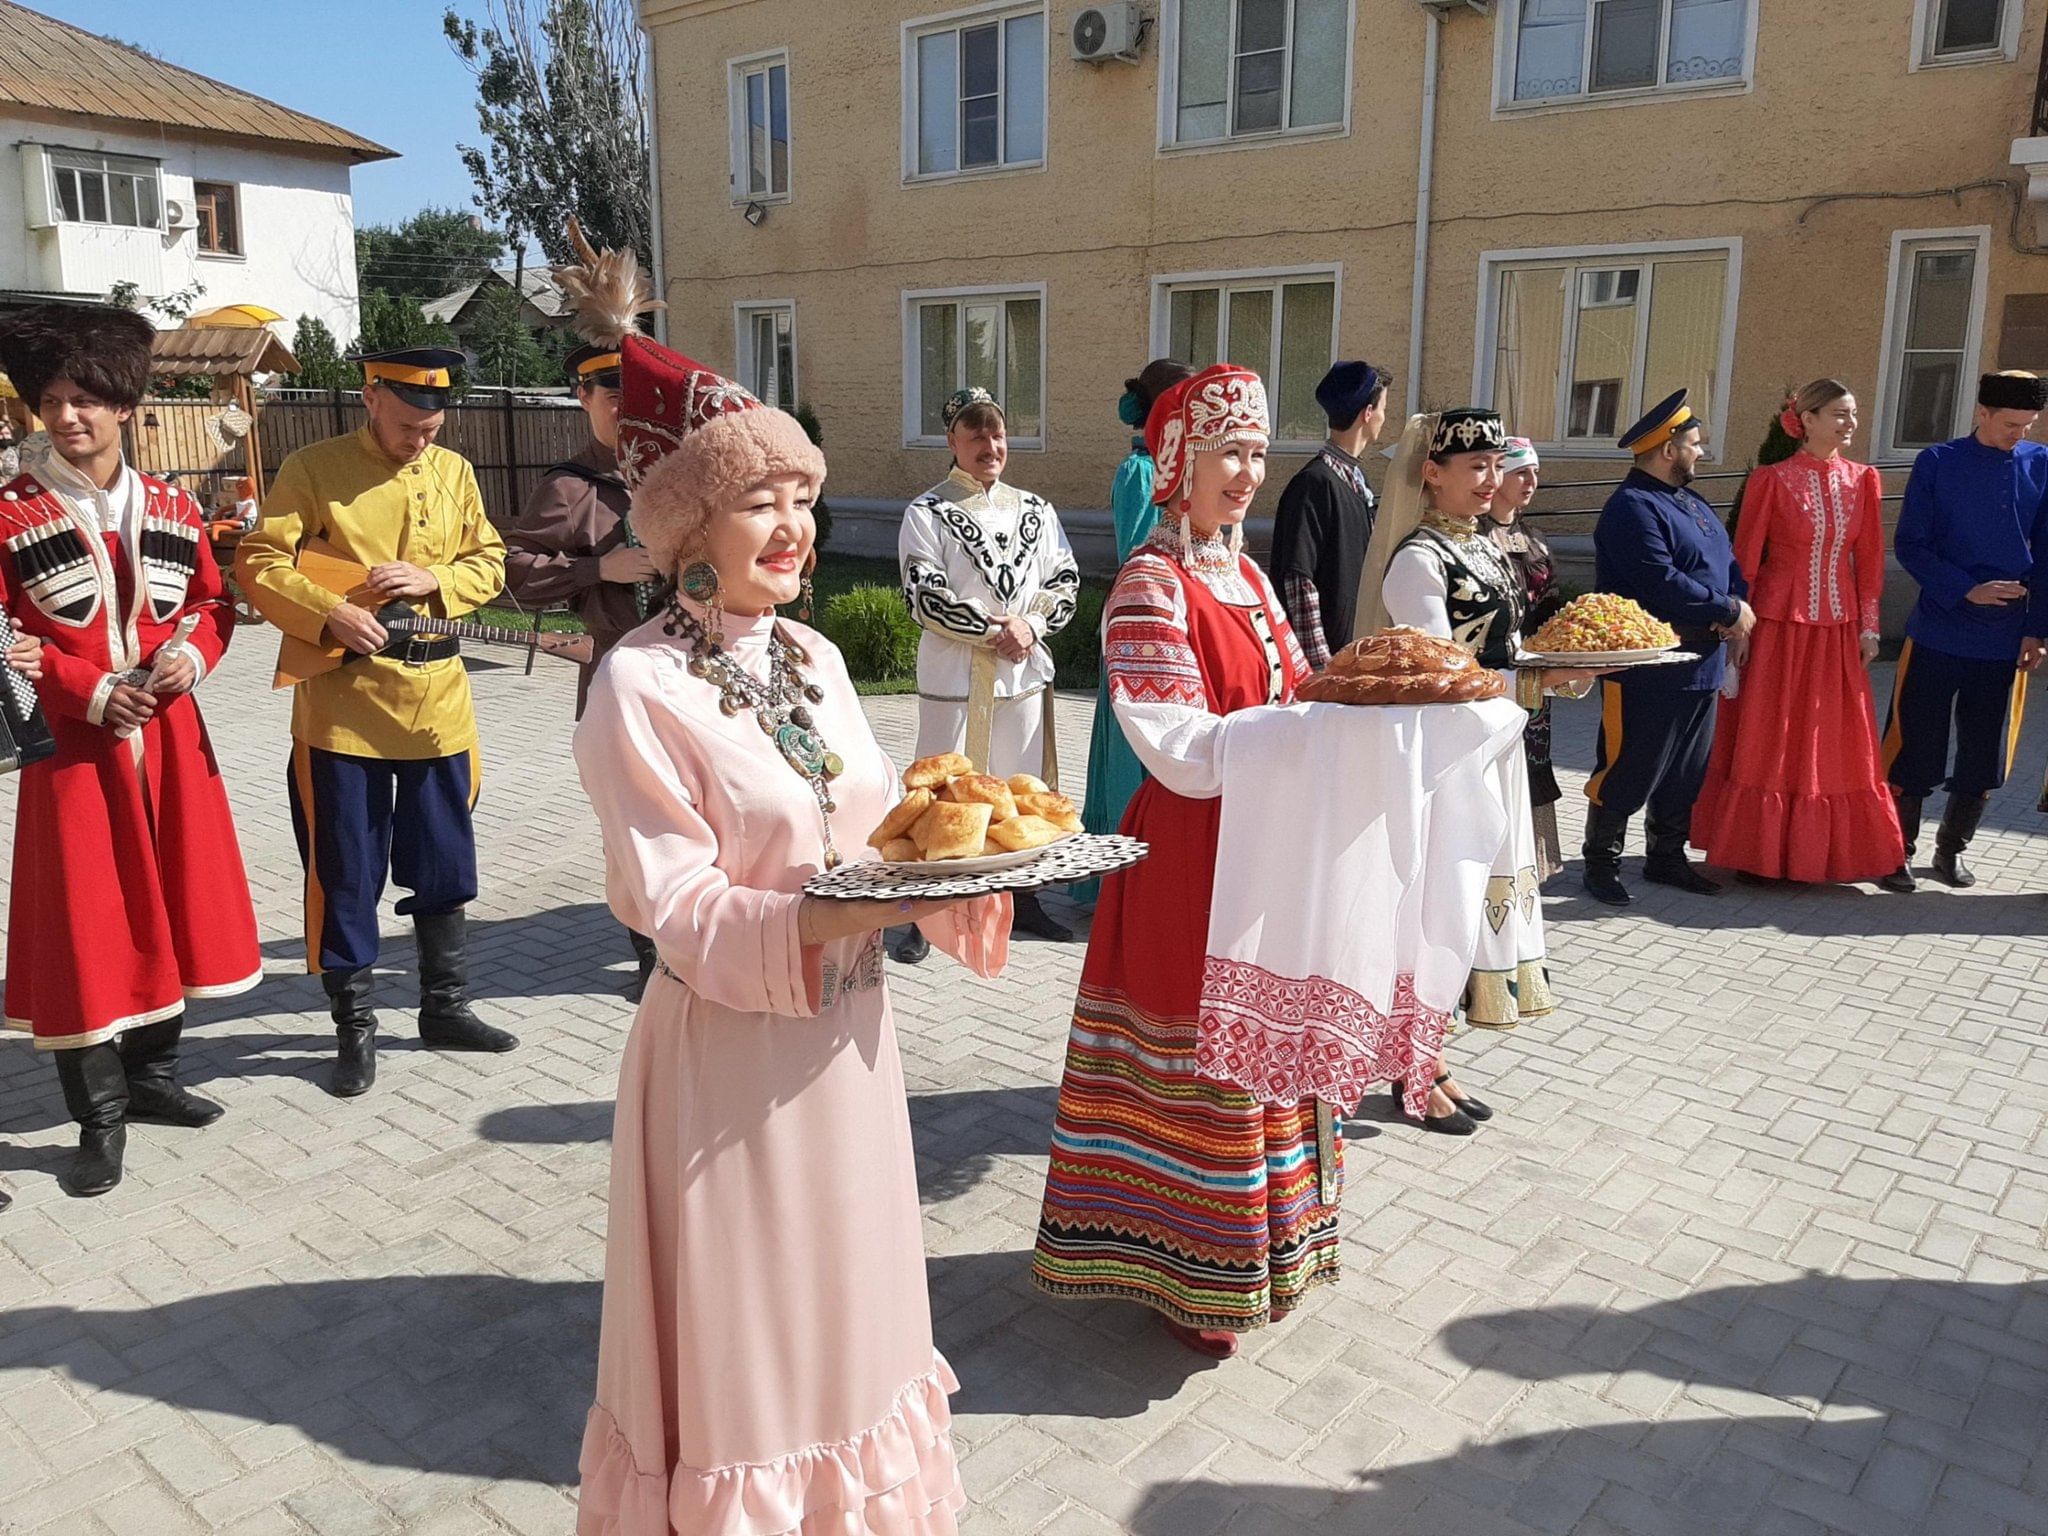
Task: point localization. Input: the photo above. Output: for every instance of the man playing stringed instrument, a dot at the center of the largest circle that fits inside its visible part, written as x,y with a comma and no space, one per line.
385,769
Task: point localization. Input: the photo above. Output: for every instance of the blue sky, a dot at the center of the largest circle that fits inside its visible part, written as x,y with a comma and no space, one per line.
378,67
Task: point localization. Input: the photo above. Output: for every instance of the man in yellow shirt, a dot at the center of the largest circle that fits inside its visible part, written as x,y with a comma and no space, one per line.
384,771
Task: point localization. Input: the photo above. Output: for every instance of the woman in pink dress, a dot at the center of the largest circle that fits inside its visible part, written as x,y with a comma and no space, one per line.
1794,790
766,1366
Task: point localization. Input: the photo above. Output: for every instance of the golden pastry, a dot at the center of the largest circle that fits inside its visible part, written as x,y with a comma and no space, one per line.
901,850
951,830
897,823
1028,784
933,772
1057,809
982,789
1022,832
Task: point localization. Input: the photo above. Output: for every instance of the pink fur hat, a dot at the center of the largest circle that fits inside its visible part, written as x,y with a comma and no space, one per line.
709,470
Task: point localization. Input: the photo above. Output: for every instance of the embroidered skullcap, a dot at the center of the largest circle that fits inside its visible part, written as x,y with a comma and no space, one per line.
1662,422
1347,389
960,400
1521,455
1468,429
1222,404
692,442
2012,390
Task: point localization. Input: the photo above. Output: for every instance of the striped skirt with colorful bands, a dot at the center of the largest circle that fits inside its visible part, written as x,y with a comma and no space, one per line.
1170,1189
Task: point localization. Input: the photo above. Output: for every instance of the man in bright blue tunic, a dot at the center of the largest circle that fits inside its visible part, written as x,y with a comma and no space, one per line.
1658,543
1974,534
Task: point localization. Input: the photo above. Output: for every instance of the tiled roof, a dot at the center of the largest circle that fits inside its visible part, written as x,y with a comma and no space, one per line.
49,65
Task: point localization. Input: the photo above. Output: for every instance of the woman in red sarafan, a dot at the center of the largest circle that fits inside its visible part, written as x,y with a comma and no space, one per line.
1794,790
1166,1187
129,892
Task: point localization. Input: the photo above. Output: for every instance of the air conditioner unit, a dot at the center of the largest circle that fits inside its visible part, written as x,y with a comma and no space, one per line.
1105,32
180,214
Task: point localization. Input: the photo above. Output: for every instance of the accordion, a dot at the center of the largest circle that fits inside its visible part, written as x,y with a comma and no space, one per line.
24,734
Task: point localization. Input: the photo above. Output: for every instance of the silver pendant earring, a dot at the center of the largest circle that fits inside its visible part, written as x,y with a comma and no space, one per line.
1187,538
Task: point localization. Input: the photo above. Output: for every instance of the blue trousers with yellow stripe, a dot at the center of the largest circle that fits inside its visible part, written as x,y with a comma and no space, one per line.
1936,695
361,819
1653,751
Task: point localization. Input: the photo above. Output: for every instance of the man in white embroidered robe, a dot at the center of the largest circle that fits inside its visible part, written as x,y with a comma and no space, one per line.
988,573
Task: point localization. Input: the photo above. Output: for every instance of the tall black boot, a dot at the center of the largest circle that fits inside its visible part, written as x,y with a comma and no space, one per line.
1033,919
355,1032
1665,861
643,951
1901,879
1959,821
447,1022
1605,834
96,1092
150,1055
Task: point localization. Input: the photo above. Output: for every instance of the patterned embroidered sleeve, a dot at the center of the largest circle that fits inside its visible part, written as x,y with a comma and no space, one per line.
1059,588
1155,679
1305,618
1869,546
206,595
921,554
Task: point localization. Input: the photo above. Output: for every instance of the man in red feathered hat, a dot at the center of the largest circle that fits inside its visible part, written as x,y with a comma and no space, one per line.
130,895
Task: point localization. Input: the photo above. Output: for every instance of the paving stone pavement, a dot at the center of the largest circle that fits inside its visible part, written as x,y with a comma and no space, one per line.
1756,1244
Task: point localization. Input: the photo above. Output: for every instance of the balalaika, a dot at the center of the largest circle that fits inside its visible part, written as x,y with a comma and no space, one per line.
24,734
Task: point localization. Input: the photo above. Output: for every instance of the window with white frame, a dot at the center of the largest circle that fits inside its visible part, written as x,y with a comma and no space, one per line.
106,189
1961,31
1250,68
992,340
975,91
760,128
767,352
1282,326
1582,345
1930,363
1563,50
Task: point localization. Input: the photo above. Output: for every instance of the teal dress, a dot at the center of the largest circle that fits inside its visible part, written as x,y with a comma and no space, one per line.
1114,772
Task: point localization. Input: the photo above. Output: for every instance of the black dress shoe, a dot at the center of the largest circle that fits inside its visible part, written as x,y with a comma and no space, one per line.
1900,881
1950,870
162,1103
909,946
1033,919
1604,886
1681,877
97,1167
1472,1108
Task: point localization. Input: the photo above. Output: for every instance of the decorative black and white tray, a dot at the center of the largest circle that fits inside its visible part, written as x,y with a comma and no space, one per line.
1603,661
1081,857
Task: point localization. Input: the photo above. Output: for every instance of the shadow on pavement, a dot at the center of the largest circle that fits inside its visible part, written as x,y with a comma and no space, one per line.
549,1125
485,1376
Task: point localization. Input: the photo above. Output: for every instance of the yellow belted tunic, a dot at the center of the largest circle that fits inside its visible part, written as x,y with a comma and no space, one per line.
373,509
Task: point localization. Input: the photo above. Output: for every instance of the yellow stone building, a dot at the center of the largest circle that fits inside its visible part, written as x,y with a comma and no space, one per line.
1564,208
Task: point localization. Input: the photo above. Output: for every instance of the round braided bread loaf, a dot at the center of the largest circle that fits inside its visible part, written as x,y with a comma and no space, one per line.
1402,666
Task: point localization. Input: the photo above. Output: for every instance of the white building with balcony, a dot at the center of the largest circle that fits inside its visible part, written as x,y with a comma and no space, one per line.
118,168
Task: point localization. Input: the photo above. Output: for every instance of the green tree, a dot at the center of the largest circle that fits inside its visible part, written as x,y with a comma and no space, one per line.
508,352
319,355
394,320
564,117
434,252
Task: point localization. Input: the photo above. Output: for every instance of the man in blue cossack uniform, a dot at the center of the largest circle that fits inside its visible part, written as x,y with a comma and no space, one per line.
1974,534
1660,544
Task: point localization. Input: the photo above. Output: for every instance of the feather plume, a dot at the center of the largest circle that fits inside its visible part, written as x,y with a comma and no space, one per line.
607,289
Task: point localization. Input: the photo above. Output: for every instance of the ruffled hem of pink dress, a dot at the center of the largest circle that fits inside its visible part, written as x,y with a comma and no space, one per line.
899,1478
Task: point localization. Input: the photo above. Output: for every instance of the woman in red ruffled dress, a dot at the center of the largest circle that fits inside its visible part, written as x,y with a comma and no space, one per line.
1794,790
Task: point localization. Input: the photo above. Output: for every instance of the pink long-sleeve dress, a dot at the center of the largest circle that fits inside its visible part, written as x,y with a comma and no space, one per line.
766,1365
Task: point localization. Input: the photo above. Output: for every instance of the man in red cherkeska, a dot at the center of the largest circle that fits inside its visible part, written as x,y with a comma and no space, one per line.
129,895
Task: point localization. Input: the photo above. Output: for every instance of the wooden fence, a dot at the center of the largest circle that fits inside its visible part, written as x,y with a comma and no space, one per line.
510,441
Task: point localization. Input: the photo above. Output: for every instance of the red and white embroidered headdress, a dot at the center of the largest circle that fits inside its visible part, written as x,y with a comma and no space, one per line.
1219,405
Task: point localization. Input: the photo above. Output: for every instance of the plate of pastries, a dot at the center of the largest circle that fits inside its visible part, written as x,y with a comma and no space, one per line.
1402,666
959,832
1601,629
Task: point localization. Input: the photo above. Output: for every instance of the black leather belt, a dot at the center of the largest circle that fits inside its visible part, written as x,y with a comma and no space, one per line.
418,650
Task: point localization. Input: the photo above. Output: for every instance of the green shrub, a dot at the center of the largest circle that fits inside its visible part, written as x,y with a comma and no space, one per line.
1077,649
873,629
